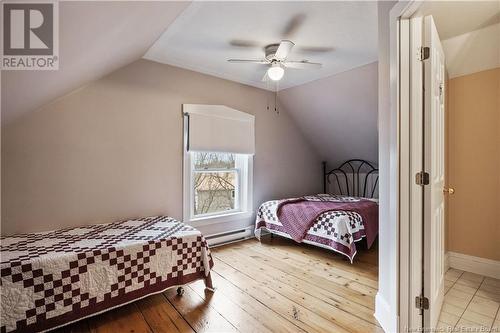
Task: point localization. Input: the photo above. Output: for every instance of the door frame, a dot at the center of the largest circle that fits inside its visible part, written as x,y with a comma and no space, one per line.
403,62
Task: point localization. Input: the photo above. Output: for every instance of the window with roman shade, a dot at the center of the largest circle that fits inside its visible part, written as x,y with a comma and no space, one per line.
219,144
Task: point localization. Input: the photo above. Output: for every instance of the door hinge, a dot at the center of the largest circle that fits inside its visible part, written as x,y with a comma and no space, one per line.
422,302
424,53
422,178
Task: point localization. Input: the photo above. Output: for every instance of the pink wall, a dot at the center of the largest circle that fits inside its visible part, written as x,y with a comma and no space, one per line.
113,149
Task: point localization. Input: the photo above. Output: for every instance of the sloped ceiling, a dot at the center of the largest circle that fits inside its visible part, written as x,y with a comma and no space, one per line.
455,18
96,38
208,33
469,32
338,114
473,52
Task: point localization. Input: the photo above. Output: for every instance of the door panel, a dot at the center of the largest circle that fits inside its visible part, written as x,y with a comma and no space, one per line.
434,153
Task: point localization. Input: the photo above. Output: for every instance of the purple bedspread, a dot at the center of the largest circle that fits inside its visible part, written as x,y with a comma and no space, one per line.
298,215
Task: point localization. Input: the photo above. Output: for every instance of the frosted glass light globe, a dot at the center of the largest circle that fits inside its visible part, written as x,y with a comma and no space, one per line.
275,72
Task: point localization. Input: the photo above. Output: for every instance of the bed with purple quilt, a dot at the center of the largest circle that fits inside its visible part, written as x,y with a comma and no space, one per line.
50,279
332,221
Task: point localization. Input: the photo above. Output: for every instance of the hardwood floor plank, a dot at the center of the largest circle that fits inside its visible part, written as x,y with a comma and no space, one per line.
272,320
334,283
331,267
363,259
293,311
274,270
329,306
200,315
368,256
161,316
243,320
310,269
127,318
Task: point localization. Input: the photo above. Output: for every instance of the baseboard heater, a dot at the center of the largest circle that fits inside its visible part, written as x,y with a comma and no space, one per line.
230,236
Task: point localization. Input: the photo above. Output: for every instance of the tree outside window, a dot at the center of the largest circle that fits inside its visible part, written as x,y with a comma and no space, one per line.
215,182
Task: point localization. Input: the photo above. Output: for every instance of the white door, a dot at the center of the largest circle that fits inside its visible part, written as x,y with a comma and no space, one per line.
434,93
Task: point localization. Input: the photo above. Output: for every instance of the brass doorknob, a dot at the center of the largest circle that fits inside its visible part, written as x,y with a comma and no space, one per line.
448,190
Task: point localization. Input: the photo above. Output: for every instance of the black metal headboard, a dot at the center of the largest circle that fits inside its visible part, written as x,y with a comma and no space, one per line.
352,178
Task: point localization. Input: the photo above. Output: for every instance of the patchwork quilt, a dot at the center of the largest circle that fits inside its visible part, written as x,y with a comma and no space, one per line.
335,230
50,279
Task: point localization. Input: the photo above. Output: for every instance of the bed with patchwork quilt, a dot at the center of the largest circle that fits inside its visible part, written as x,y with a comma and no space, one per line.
345,213
330,221
50,279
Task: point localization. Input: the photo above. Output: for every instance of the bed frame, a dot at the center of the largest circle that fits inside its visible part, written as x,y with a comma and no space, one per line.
352,178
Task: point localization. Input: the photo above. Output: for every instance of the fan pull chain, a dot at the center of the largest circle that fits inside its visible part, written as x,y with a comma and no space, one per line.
276,109
276,103
267,95
268,103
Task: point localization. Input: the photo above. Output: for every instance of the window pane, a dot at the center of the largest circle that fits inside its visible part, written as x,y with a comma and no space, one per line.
214,161
214,191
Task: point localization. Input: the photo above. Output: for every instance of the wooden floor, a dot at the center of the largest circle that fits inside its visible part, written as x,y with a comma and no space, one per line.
273,286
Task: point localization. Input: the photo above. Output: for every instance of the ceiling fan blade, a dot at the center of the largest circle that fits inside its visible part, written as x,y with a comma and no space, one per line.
293,25
283,49
243,43
249,61
304,64
317,49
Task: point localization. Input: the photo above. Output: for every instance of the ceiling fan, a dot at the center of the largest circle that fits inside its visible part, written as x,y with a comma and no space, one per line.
276,59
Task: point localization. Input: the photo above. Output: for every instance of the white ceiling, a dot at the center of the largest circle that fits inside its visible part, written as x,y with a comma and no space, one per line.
200,38
469,32
95,38
473,52
455,18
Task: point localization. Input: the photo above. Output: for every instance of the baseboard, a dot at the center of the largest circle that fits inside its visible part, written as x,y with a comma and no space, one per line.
464,262
232,236
385,317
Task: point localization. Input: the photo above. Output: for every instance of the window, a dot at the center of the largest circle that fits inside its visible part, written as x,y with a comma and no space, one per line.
218,183
215,183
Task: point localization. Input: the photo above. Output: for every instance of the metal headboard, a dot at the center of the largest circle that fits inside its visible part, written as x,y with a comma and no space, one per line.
352,178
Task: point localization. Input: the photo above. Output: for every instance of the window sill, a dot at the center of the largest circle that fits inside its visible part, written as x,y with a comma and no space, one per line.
213,219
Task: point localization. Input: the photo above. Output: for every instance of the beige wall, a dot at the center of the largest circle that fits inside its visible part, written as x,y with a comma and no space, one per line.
474,164
113,149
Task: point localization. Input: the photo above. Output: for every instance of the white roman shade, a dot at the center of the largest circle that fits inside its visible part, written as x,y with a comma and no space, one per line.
217,128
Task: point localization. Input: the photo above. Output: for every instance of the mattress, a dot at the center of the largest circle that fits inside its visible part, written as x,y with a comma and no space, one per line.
50,279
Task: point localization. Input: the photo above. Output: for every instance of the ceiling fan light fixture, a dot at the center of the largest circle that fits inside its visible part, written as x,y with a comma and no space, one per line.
275,72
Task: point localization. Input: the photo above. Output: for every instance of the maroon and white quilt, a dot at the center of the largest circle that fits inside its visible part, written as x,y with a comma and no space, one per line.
329,221
50,279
